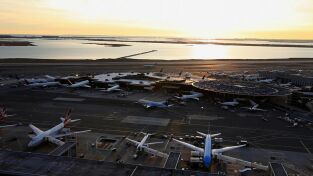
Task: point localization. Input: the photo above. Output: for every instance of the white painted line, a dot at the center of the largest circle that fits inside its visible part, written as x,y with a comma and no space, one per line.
305,147
146,120
69,99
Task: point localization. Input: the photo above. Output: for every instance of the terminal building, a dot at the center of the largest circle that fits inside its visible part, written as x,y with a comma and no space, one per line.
25,163
285,77
240,89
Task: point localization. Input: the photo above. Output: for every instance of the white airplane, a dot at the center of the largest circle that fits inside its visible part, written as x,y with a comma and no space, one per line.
115,88
79,84
47,78
46,84
3,116
254,107
265,81
285,85
230,103
193,95
207,153
52,134
142,146
154,104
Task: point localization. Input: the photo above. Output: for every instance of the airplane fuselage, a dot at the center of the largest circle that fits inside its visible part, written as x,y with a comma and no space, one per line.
151,104
207,156
41,137
142,142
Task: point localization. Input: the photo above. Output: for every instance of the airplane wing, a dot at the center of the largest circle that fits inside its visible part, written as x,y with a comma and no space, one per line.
70,133
225,149
192,147
202,134
74,120
214,135
252,102
55,141
228,159
136,143
5,126
155,152
153,143
35,129
258,109
255,106
71,121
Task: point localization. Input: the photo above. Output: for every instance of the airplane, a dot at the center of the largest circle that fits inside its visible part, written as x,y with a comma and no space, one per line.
47,78
46,84
193,95
52,134
142,146
254,107
112,89
286,85
230,103
79,84
207,153
154,104
3,116
265,81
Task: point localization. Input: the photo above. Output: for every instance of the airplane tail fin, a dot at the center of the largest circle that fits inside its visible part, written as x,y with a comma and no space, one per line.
204,135
2,113
49,77
149,134
214,135
66,119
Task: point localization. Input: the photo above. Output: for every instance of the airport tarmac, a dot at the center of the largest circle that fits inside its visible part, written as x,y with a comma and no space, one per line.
106,113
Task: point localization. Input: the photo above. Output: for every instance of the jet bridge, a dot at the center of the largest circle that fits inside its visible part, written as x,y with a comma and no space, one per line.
67,149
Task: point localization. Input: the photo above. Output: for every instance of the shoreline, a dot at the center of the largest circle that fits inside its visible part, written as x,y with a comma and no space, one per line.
125,59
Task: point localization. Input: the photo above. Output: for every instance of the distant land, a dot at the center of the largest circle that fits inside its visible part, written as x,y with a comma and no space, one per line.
127,59
16,43
108,44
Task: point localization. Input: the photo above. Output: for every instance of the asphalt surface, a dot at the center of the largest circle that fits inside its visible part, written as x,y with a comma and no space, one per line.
107,114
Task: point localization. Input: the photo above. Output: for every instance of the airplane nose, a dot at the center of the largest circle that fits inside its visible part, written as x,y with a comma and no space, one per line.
207,161
31,144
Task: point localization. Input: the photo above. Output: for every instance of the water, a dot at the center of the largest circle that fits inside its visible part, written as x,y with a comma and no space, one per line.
76,49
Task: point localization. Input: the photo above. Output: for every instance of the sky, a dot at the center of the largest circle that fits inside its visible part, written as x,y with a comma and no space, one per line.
275,19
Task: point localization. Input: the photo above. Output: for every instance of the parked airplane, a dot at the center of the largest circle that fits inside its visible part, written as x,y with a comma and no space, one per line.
154,104
230,103
286,85
46,84
254,107
40,80
207,152
265,81
52,134
79,84
115,88
3,116
193,95
142,146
